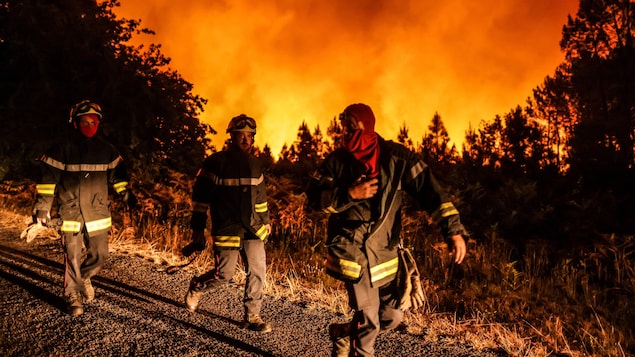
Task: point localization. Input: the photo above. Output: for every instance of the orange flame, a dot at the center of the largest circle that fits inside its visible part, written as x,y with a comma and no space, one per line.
284,62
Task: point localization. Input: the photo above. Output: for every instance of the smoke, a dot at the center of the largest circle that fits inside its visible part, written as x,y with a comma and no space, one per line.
288,61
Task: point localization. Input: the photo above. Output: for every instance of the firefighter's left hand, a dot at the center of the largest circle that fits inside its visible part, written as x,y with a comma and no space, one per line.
459,247
130,199
198,244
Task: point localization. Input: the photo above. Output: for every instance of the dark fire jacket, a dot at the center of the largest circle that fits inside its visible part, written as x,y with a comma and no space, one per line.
79,172
231,185
364,234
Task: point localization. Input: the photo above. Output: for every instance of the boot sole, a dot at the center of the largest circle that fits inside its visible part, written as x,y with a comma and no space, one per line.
250,327
191,307
76,311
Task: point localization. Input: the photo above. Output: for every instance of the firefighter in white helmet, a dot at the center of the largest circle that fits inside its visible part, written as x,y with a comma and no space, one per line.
80,172
230,186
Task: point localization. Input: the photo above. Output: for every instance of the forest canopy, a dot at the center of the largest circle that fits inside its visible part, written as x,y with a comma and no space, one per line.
569,150
54,54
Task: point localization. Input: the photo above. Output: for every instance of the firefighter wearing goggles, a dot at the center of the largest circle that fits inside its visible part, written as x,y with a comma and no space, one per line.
230,188
78,173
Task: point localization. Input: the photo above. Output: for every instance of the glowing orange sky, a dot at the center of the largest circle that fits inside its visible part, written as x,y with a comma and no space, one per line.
287,61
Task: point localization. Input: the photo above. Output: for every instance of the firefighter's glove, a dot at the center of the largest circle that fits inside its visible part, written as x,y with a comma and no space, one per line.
409,287
129,199
34,228
416,295
197,245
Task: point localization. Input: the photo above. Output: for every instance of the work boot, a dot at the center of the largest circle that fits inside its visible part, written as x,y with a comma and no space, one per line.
255,323
89,291
193,297
74,303
341,336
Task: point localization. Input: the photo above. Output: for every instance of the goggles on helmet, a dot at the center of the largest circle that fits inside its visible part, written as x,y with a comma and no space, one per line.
242,123
84,107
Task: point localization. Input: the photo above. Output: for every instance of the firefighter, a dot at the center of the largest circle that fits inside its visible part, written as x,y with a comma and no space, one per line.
77,173
360,185
230,186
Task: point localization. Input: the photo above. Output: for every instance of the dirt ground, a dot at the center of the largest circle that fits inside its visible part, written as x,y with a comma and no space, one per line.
139,311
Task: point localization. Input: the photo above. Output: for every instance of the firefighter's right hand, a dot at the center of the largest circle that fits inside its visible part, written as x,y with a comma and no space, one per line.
41,217
197,245
363,189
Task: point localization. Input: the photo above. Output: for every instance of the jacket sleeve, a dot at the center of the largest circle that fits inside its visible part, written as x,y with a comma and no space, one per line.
326,191
421,184
118,174
261,207
51,167
201,198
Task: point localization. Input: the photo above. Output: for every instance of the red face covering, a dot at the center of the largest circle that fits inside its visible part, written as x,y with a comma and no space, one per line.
88,125
362,141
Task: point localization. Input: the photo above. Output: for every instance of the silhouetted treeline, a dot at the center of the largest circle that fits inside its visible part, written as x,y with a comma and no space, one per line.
557,168
55,53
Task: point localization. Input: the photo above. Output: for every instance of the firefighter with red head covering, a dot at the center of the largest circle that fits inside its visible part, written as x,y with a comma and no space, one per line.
361,185
230,188
79,174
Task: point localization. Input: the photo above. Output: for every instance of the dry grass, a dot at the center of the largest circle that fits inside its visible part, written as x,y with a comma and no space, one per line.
579,304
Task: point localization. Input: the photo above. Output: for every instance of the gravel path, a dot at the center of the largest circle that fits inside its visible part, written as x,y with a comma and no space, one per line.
139,311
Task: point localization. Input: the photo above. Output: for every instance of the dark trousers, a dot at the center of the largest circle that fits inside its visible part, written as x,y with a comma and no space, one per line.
77,270
255,261
374,312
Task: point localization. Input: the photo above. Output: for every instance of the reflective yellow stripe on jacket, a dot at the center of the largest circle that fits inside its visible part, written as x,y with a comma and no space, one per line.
91,227
261,207
227,241
347,268
98,225
262,232
120,186
329,209
45,189
445,210
384,270
71,226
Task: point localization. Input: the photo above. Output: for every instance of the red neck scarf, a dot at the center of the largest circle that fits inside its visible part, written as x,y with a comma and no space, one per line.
364,142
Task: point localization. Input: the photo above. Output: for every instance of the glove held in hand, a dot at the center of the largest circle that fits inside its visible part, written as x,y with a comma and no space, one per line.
410,292
193,247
